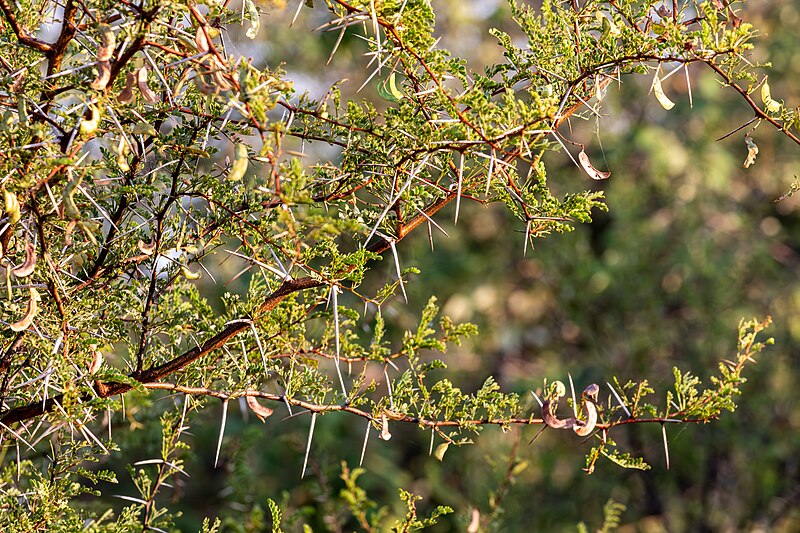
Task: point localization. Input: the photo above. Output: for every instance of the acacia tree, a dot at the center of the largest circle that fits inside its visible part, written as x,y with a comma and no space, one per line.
138,151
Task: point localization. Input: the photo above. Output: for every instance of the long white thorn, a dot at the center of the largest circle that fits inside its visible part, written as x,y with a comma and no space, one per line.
364,447
460,183
666,446
619,399
688,84
221,430
572,391
397,267
491,171
308,445
335,298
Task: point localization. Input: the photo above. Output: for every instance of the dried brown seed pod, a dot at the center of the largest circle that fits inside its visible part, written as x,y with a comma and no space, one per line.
127,93
103,76
27,319
26,268
147,92
108,40
259,410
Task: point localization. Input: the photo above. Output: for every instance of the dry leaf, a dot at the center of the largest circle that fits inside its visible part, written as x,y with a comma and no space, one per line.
665,102
259,410
593,172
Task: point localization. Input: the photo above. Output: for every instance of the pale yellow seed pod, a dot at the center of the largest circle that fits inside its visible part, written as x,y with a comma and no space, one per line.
240,162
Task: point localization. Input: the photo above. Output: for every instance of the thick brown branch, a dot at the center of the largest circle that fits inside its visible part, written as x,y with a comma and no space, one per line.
106,390
22,35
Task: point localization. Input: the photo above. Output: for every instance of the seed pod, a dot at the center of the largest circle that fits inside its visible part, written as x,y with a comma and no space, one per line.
90,123
385,435
103,76
146,248
108,40
12,207
665,102
144,128
589,168
127,93
240,162
97,360
147,92
202,86
30,312
26,268
188,274
71,210
122,155
202,43
259,410
590,409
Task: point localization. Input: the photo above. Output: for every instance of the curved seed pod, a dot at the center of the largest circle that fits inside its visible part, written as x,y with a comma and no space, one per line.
103,76
127,93
27,319
122,155
71,210
549,407
385,435
549,417
219,81
589,168
665,102
89,124
772,105
240,162
97,360
188,274
259,410
144,128
146,248
202,86
202,42
147,92
26,268
590,409
12,207
108,40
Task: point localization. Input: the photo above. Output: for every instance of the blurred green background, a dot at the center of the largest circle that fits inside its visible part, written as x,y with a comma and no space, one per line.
692,243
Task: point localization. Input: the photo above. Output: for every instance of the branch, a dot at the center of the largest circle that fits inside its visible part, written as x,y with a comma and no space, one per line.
22,35
108,389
